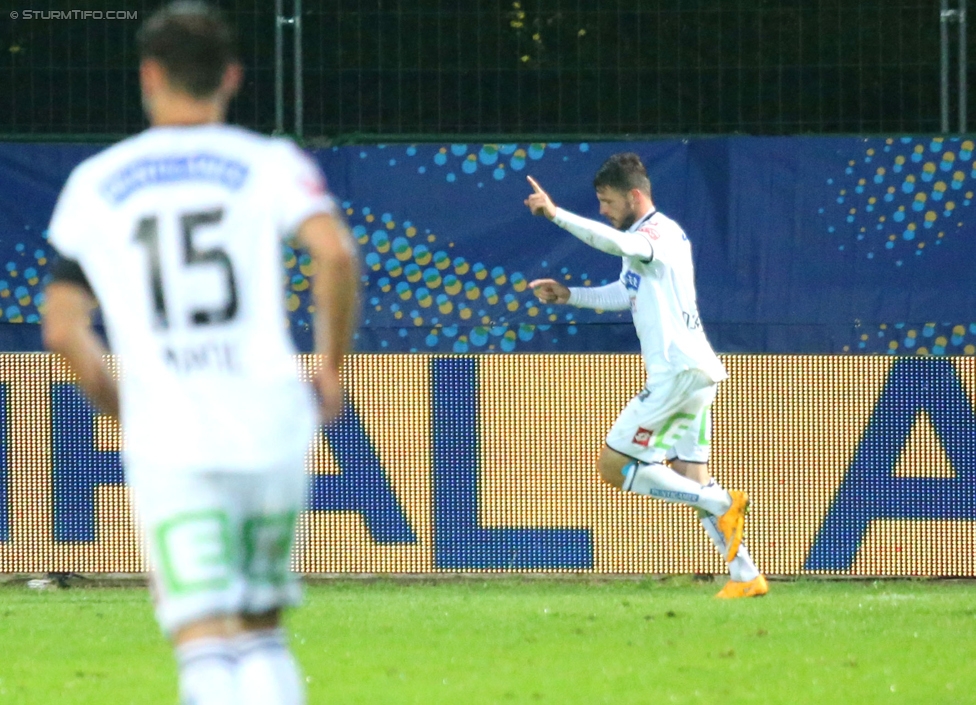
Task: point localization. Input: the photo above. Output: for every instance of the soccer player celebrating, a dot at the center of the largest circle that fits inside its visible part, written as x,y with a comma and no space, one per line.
659,445
176,233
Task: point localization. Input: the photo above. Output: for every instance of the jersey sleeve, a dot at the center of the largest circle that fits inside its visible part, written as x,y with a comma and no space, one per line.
300,188
74,217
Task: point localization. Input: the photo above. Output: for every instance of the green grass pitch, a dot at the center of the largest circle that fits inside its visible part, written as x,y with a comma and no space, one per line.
471,641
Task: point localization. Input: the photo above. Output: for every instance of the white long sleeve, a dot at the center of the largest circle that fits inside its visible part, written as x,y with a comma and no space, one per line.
603,237
612,297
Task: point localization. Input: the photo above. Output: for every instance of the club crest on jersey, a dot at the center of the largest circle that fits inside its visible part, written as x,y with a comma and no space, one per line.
632,281
650,231
642,437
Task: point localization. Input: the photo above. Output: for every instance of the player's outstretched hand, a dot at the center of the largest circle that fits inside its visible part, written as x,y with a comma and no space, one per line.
549,291
329,389
539,202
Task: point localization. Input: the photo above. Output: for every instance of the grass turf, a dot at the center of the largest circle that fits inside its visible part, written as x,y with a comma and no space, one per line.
531,641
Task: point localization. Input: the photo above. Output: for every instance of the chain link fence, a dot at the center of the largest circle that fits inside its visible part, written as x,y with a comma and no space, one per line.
410,68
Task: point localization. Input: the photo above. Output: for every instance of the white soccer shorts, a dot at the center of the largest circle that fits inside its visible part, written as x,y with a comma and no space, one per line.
220,543
672,420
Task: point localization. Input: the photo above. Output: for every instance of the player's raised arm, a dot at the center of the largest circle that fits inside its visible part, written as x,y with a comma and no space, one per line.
335,289
593,233
66,330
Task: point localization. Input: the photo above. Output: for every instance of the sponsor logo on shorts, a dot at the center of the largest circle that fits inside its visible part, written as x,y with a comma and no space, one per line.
642,437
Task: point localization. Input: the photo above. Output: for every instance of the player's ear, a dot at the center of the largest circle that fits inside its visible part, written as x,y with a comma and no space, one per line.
231,82
152,76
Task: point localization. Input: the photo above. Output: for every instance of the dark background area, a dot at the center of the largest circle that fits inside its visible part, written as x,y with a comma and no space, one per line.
535,67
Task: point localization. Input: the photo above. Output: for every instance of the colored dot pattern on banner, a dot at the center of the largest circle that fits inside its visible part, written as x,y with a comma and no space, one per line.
916,339
900,197
22,282
415,280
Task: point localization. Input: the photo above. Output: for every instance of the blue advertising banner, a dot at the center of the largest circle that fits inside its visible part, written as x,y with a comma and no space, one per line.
802,245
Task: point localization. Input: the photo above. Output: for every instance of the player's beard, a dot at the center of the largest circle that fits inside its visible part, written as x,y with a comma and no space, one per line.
629,219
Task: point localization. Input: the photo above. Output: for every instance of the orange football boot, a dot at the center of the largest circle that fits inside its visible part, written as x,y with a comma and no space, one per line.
733,590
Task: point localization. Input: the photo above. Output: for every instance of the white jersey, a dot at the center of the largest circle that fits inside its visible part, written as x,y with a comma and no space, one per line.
179,231
663,303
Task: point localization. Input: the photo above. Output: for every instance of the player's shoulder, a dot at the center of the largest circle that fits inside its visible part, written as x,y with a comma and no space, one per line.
660,226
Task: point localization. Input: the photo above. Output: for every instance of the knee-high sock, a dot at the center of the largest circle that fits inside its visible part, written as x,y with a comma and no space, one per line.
267,673
742,568
660,481
207,671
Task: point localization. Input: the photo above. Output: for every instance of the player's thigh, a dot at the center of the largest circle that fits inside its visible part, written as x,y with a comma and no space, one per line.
191,529
657,420
268,534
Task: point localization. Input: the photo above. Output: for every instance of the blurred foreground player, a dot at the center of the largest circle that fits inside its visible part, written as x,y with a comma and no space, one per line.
659,445
177,235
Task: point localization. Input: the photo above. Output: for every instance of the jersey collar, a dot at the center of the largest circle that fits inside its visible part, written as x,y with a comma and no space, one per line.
647,216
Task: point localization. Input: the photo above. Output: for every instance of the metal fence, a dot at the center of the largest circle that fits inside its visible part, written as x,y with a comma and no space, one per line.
406,68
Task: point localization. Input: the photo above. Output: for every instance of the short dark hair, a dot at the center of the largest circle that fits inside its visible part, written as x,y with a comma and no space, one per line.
623,172
193,44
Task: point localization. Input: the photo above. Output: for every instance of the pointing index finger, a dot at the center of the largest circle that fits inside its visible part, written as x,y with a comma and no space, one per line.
535,184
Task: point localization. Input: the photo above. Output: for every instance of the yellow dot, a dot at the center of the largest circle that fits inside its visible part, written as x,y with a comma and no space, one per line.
969,349
883,326
921,245
370,218
923,351
872,200
941,340
891,237
893,345
431,238
871,152
912,334
958,330
864,336
853,211
390,225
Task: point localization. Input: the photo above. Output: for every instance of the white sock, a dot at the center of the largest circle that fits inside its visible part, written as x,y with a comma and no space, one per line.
741,569
660,481
267,673
206,668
